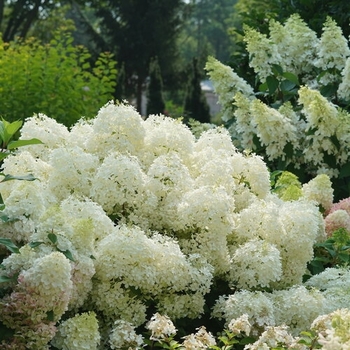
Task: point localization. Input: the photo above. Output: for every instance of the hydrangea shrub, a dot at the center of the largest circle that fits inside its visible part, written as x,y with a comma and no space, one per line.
297,114
133,217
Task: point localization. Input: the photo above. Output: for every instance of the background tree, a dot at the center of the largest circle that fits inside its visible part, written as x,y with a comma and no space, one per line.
18,17
195,105
155,101
138,30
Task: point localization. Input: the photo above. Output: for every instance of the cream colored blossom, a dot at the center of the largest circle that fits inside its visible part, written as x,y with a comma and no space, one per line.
123,335
161,327
333,47
227,84
240,325
78,332
266,267
296,43
320,190
263,52
200,340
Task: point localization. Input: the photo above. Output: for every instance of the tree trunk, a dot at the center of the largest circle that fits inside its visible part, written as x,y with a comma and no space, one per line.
139,94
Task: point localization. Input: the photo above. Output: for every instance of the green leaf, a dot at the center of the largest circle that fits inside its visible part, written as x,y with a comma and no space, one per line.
34,244
263,87
287,85
9,177
4,154
328,90
291,77
247,340
12,128
2,204
272,84
52,237
9,245
4,279
67,254
277,69
21,143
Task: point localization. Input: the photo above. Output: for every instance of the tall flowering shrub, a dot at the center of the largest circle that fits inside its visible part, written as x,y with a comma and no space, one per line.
297,115
133,217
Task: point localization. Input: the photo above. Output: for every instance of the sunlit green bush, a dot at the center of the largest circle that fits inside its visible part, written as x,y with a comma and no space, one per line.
56,79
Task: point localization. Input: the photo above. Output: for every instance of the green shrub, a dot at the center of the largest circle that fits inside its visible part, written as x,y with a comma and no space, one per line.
55,79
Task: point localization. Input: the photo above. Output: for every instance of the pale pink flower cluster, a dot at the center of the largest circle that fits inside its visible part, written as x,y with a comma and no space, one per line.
338,216
38,301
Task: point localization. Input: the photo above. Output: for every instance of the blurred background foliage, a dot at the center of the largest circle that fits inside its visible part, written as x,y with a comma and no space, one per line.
125,36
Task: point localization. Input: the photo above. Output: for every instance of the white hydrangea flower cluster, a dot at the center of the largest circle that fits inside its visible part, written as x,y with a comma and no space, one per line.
266,267
334,284
274,338
319,189
129,249
109,134
123,335
297,44
200,340
333,330
263,52
274,129
48,131
78,332
240,325
296,307
289,303
257,305
161,327
226,84
344,87
284,226
322,116
298,51
333,50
